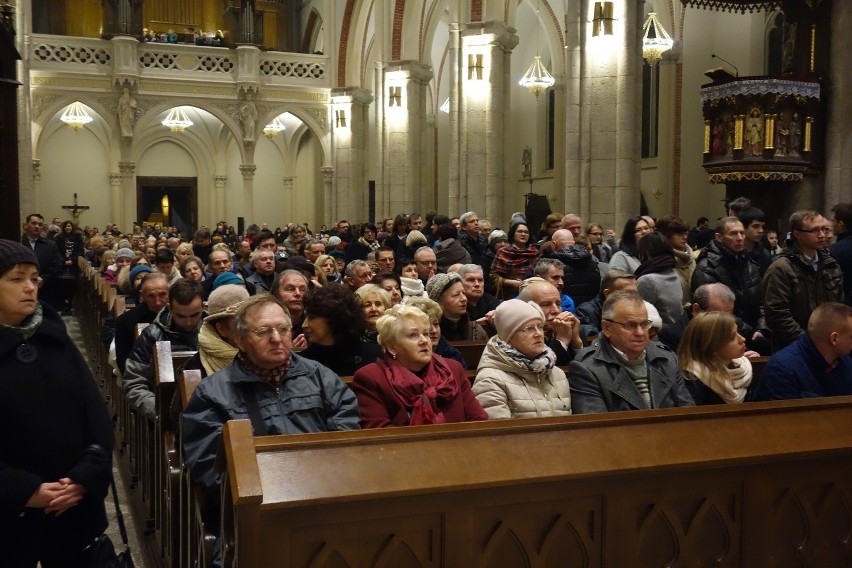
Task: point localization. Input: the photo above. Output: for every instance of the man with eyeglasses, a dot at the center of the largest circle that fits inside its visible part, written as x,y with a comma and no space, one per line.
624,370
278,391
801,278
426,263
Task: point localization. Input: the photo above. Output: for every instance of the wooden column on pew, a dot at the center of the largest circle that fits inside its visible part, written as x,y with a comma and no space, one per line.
196,542
162,470
733,485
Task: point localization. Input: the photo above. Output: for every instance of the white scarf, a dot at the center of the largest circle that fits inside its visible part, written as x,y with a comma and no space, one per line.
412,287
732,386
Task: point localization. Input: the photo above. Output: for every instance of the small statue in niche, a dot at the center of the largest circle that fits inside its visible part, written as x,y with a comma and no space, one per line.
126,113
526,161
782,138
754,133
248,117
795,135
729,131
718,138
788,50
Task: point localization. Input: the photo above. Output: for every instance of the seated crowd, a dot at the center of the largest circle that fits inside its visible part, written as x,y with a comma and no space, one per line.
568,320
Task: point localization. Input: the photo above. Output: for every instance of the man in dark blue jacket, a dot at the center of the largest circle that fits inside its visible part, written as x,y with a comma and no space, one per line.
817,363
841,250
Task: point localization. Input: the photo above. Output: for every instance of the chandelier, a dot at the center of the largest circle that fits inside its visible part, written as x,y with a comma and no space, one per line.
273,128
177,121
537,78
655,40
76,116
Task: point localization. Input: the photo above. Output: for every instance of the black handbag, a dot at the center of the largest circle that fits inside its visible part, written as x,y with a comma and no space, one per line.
101,554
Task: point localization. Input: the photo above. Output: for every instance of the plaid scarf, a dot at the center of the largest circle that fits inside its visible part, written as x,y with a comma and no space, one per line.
271,376
30,325
373,246
515,263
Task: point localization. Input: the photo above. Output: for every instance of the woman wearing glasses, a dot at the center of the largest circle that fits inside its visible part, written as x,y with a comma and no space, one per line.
55,461
517,375
513,263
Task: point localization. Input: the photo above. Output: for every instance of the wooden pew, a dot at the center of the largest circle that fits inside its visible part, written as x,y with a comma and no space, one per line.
196,542
471,351
732,485
161,469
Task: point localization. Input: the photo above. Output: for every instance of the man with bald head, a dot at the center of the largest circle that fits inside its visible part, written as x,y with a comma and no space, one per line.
561,328
582,279
817,363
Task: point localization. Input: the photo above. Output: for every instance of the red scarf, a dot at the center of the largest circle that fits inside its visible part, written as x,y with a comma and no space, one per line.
418,394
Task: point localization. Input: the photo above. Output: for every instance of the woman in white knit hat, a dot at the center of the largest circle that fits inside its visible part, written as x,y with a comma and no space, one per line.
517,376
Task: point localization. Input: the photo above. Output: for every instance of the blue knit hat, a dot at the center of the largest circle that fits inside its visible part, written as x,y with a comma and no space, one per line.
137,270
227,278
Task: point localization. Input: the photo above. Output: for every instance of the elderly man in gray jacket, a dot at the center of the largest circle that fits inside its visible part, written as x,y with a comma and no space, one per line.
623,370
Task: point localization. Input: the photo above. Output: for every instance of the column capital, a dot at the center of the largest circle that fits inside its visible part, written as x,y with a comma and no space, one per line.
115,179
354,95
327,173
36,171
220,181
490,33
248,171
289,182
127,169
413,70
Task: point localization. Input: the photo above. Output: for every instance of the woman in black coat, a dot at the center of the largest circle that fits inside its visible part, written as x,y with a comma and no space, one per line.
70,245
55,453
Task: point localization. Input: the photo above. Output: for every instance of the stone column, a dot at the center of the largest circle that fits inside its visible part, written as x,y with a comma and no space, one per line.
327,173
123,206
219,184
403,136
115,198
479,97
838,152
347,198
289,193
248,191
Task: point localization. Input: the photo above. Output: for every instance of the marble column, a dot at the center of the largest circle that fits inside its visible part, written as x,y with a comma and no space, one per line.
115,198
838,150
404,136
123,206
327,173
220,183
248,171
479,95
347,198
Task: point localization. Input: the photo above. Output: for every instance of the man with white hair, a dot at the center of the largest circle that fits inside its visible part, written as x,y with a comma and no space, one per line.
471,237
573,223
479,302
624,370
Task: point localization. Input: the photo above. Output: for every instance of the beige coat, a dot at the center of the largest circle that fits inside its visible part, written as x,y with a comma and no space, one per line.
507,389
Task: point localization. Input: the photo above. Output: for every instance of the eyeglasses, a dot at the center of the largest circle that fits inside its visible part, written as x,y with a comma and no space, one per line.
632,325
820,230
266,332
530,329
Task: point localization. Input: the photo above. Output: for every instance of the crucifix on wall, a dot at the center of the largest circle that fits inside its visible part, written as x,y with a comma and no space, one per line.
75,210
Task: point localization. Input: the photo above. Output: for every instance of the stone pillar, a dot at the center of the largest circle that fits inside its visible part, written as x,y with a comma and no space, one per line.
327,173
347,198
838,152
248,191
403,136
123,205
289,193
115,198
479,97
219,183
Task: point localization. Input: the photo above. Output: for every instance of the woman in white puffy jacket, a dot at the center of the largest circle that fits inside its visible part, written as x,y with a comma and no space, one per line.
517,376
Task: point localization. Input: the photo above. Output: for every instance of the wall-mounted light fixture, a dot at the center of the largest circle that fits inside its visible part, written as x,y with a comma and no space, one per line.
474,66
602,20
340,118
394,96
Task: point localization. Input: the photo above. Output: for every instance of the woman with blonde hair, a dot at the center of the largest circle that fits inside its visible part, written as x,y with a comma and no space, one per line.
327,268
373,301
712,358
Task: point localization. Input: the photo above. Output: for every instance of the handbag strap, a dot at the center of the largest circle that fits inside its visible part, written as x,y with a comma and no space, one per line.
118,514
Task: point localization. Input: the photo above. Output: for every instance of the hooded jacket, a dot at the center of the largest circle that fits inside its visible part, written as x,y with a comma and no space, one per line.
138,379
449,252
582,278
508,389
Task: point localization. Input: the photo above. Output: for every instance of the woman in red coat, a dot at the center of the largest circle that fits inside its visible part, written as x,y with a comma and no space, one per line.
410,385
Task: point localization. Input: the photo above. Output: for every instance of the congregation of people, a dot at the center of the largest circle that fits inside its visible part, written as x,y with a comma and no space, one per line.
572,318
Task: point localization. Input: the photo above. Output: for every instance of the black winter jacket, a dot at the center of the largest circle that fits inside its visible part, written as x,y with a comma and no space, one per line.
582,277
739,273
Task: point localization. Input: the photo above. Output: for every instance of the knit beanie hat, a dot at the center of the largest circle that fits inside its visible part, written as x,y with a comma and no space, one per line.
224,301
12,253
227,278
439,283
137,270
654,316
124,253
511,315
413,238
497,236
334,241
